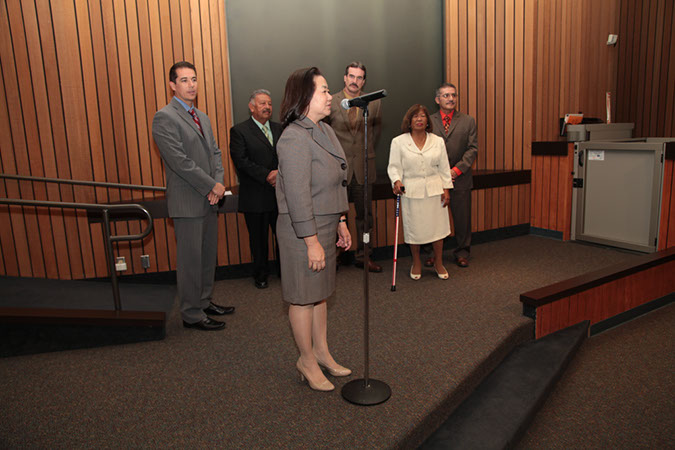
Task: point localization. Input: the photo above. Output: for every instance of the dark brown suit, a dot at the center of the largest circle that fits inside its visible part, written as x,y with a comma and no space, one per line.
351,139
462,147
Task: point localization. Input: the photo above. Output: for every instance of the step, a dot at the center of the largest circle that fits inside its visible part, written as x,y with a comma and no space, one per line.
499,410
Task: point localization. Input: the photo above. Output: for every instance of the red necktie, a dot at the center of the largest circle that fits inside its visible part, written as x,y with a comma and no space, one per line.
196,119
446,123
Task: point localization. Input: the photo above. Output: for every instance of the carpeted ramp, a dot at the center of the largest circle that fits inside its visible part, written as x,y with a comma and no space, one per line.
498,412
41,315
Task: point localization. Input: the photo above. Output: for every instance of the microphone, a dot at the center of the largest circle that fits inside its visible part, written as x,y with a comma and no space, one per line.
363,100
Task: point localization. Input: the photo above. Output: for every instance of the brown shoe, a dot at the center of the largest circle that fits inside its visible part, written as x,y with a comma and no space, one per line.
429,262
462,262
372,267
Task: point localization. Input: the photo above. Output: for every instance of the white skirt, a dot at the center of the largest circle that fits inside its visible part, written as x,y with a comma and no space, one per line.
424,220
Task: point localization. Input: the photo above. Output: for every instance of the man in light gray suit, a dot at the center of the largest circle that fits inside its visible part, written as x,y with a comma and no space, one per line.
459,132
194,186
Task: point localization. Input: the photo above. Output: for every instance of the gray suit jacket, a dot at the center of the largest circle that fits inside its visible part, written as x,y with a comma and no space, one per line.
312,176
352,141
192,161
461,144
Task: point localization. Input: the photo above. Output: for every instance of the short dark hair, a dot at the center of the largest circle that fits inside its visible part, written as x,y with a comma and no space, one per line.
356,65
298,94
446,85
179,65
414,109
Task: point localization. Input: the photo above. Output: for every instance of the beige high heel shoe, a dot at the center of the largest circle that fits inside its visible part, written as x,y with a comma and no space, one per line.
415,276
442,276
323,386
338,371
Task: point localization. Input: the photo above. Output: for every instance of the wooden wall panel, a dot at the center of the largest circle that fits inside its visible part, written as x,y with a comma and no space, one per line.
490,52
573,66
489,47
552,187
82,80
606,300
646,67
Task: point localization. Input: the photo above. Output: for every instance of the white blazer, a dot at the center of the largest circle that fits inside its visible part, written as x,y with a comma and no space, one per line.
425,171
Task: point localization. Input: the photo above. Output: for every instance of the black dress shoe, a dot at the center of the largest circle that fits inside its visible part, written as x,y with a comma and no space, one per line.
462,262
261,284
206,324
216,310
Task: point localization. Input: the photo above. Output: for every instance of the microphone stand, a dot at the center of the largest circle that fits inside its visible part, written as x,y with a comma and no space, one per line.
366,391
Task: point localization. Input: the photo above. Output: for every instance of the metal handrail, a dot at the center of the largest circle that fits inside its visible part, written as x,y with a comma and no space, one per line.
82,182
105,210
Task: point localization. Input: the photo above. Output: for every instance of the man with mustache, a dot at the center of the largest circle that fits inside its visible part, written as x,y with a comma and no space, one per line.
253,148
458,130
349,128
194,172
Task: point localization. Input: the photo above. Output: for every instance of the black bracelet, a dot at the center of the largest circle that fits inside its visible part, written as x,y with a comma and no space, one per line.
342,220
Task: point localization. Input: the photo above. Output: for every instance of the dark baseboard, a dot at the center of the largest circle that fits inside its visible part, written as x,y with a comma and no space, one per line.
546,233
631,314
378,254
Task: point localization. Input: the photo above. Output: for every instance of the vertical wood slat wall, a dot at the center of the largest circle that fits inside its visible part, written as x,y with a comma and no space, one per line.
646,67
81,83
574,66
489,53
82,79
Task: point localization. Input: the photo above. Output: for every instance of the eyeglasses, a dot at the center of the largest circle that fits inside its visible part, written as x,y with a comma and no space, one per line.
447,95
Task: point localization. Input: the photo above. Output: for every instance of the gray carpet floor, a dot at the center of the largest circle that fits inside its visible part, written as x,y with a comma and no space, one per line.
431,341
618,392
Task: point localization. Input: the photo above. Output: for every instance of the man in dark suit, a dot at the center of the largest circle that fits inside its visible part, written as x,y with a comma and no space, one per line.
194,184
459,132
349,129
253,151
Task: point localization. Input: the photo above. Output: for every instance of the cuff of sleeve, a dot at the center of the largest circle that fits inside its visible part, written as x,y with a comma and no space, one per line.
457,171
304,229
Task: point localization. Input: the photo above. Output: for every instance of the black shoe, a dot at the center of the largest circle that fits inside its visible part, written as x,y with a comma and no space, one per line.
261,283
215,310
207,324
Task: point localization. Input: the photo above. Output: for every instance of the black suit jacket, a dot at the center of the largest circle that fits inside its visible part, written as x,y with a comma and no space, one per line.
254,158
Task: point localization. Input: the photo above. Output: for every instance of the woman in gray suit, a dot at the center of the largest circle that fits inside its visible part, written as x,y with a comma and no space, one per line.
312,200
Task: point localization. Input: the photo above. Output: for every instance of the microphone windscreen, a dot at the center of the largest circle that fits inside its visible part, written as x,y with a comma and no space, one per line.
345,103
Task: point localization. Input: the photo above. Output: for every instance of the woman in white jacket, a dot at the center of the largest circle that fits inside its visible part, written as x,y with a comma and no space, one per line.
419,171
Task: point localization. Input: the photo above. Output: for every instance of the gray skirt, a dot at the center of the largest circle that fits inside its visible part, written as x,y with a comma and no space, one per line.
299,284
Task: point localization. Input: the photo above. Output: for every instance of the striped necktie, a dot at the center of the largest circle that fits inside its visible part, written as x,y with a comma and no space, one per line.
196,119
267,134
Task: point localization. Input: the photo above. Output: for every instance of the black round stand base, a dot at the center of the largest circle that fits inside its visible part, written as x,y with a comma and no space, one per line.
359,393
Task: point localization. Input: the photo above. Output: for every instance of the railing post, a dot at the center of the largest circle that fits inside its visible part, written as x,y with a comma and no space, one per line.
111,260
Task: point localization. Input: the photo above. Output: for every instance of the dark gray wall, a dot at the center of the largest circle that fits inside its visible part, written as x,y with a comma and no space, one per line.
399,41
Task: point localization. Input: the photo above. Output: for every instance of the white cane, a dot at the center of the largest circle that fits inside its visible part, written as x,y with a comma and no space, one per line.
393,276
